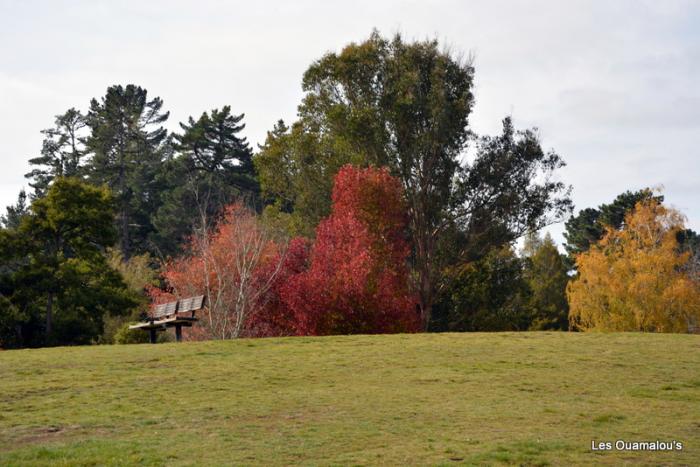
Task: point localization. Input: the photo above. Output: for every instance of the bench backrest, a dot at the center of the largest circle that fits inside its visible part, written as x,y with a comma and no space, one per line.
190,304
184,305
164,309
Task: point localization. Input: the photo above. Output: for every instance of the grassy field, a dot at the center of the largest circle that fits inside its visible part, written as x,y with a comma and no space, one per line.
441,399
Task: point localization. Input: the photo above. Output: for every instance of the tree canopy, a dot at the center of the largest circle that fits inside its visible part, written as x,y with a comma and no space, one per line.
637,278
547,276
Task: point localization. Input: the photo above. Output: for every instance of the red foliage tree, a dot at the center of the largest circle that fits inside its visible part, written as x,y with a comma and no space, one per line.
358,279
273,317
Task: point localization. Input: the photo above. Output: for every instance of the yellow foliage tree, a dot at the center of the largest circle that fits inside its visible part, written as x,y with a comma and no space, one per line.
636,278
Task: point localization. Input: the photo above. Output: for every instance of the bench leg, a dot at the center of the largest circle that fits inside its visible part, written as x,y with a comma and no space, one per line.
178,333
153,336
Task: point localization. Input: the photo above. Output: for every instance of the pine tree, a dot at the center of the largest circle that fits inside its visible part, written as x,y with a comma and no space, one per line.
212,144
212,168
15,213
61,151
127,143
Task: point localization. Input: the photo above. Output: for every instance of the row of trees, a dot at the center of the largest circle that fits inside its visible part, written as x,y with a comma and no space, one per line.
353,278
642,275
353,275
377,210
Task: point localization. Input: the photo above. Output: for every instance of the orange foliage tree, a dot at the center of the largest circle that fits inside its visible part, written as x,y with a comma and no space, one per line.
234,265
636,278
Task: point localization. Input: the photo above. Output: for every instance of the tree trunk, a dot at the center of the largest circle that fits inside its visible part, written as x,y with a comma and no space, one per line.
124,208
426,298
424,254
124,227
49,311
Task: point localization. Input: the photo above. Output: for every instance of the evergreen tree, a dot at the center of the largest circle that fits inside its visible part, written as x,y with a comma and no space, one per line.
10,262
490,294
61,151
689,242
128,146
62,287
14,214
211,144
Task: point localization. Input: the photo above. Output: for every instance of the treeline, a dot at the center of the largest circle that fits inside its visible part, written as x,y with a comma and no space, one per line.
377,210
160,182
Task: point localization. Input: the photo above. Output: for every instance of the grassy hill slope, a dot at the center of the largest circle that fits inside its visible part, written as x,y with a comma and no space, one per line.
450,399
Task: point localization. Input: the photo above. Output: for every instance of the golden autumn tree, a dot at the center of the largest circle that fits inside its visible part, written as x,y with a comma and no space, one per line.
636,278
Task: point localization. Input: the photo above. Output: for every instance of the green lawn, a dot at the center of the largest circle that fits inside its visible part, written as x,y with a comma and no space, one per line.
446,399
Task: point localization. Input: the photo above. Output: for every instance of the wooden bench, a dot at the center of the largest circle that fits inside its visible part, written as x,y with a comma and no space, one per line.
174,314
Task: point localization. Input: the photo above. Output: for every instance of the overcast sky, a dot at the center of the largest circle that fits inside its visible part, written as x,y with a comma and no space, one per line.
613,86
